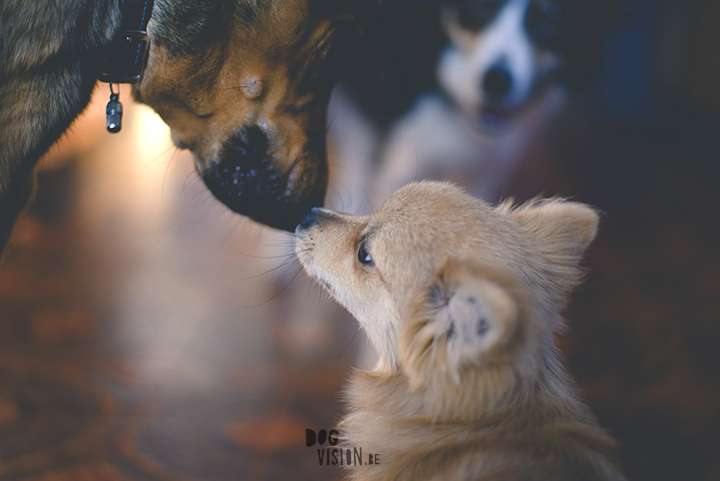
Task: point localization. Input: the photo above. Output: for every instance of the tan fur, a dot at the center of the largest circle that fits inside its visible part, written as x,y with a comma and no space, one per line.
215,71
272,73
462,301
204,97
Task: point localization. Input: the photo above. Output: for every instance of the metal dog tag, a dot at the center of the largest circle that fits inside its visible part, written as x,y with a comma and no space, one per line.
113,113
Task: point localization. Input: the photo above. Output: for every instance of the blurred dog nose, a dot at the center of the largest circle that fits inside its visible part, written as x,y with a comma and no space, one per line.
497,82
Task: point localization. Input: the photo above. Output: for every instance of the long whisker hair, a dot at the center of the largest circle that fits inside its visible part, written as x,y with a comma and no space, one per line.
284,288
289,259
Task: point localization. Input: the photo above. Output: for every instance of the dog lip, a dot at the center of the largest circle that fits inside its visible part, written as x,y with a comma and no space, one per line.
495,114
260,194
493,118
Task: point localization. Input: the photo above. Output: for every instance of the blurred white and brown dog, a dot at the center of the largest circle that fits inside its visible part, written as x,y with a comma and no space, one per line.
462,301
503,70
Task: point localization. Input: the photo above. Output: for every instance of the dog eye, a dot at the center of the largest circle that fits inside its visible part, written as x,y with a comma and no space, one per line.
363,255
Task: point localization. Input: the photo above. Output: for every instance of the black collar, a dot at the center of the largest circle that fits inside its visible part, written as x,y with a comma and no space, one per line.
123,60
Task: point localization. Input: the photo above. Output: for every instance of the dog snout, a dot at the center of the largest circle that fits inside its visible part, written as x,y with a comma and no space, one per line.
247,147
324,218
497,82
240,177
248,179
308,220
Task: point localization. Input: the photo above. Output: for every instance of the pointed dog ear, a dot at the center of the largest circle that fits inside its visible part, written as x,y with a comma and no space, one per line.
467,316
560,231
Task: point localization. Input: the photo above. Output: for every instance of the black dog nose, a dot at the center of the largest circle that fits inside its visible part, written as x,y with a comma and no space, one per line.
241,178
497,81
247,179
308,220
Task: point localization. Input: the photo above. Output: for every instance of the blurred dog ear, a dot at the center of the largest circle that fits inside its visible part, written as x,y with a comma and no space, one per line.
465,317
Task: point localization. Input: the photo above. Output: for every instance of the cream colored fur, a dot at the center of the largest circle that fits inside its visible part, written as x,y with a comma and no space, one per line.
462,301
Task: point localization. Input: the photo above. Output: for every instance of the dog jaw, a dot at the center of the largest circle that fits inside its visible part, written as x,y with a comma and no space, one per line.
251,106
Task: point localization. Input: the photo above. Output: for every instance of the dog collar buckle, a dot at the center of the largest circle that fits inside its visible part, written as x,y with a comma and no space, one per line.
123,61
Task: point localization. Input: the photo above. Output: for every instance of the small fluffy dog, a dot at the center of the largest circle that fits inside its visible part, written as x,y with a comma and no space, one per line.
462,300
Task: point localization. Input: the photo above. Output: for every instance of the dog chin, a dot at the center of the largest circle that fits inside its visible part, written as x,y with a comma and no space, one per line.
277,200
492,120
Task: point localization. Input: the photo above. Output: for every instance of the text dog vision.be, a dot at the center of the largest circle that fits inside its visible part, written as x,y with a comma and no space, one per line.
341,456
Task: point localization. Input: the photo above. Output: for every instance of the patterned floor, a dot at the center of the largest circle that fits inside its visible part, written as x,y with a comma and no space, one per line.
140,340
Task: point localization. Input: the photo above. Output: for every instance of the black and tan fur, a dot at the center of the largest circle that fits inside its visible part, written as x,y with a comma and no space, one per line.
243,83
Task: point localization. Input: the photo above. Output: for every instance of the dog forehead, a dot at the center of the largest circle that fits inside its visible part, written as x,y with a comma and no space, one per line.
427,221
210,48
431,204
423,225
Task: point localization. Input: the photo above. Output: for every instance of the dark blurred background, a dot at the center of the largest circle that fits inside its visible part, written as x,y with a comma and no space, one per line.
145,336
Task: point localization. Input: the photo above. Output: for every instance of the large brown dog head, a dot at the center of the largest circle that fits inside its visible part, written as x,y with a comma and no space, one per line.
244,84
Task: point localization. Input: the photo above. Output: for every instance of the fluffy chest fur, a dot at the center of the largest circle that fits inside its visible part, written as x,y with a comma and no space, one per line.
527,432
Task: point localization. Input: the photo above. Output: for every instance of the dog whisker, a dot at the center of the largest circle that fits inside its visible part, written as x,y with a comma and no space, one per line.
290,259
281,256
167,169
357,331
188,179
161,154
278,293
289,240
